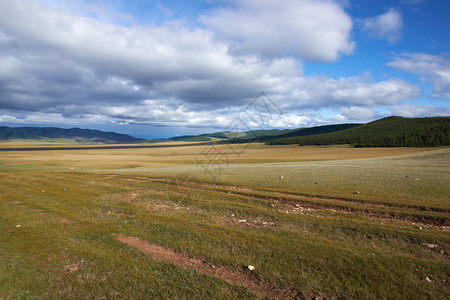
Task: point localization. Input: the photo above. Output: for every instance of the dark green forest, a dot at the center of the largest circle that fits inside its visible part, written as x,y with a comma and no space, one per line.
387,132
292,133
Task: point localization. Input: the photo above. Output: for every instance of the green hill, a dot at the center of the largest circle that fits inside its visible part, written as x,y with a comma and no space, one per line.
387,132
228,135
263,135
282,134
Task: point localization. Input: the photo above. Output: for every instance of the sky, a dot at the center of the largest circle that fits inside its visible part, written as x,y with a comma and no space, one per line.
155,69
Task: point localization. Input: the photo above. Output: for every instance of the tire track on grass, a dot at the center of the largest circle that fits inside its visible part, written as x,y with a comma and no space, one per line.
366,209
240,278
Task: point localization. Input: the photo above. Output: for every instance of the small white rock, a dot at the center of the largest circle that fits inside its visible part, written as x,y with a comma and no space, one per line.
427,279
431,246
251,268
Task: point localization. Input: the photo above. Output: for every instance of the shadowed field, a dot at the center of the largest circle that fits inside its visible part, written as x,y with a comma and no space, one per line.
329,222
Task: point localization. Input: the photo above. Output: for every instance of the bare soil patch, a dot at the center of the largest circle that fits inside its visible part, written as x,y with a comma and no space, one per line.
129,197
242,278
250,222
75,267
65,221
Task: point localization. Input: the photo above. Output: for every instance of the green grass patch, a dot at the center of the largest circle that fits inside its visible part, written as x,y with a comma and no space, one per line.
57,226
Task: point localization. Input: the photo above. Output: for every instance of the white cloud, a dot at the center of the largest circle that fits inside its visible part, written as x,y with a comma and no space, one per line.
296,120
8,119
321,91
57,67
435,68
23,118
387,26
411,111
167,61
317,30
359,113
355,97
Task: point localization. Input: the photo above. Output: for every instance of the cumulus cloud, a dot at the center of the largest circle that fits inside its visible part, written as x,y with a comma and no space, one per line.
57,67
387,26
436,69
359,113
322,91
120,64
54,119
317,30
411,111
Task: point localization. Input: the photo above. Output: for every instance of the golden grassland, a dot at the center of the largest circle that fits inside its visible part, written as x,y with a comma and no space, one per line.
232,153
160,223
71,143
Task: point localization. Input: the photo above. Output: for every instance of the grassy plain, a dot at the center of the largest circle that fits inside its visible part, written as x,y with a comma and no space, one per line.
334,222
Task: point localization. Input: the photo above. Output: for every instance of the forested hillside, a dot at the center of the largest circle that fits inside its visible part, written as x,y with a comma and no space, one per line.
294,133
387,132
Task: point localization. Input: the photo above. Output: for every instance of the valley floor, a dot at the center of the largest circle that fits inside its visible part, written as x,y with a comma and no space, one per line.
189,221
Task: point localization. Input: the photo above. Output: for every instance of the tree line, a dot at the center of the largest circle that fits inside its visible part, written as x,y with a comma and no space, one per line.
387,132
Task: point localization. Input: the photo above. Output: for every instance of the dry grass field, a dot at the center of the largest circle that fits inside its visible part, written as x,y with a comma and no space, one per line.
187,155
187,222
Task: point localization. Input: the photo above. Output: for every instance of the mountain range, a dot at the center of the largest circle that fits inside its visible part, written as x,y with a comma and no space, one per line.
75,134
386,132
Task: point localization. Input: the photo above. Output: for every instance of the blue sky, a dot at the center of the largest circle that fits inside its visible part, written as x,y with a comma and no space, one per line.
156,69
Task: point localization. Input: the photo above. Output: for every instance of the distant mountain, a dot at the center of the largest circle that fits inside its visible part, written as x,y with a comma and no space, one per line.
263,135
76,134
228,135
386,132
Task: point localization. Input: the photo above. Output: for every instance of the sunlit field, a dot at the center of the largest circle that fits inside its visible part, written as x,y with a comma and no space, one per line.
182,155
186,222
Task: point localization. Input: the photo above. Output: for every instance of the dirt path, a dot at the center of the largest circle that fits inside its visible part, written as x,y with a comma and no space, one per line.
242,278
